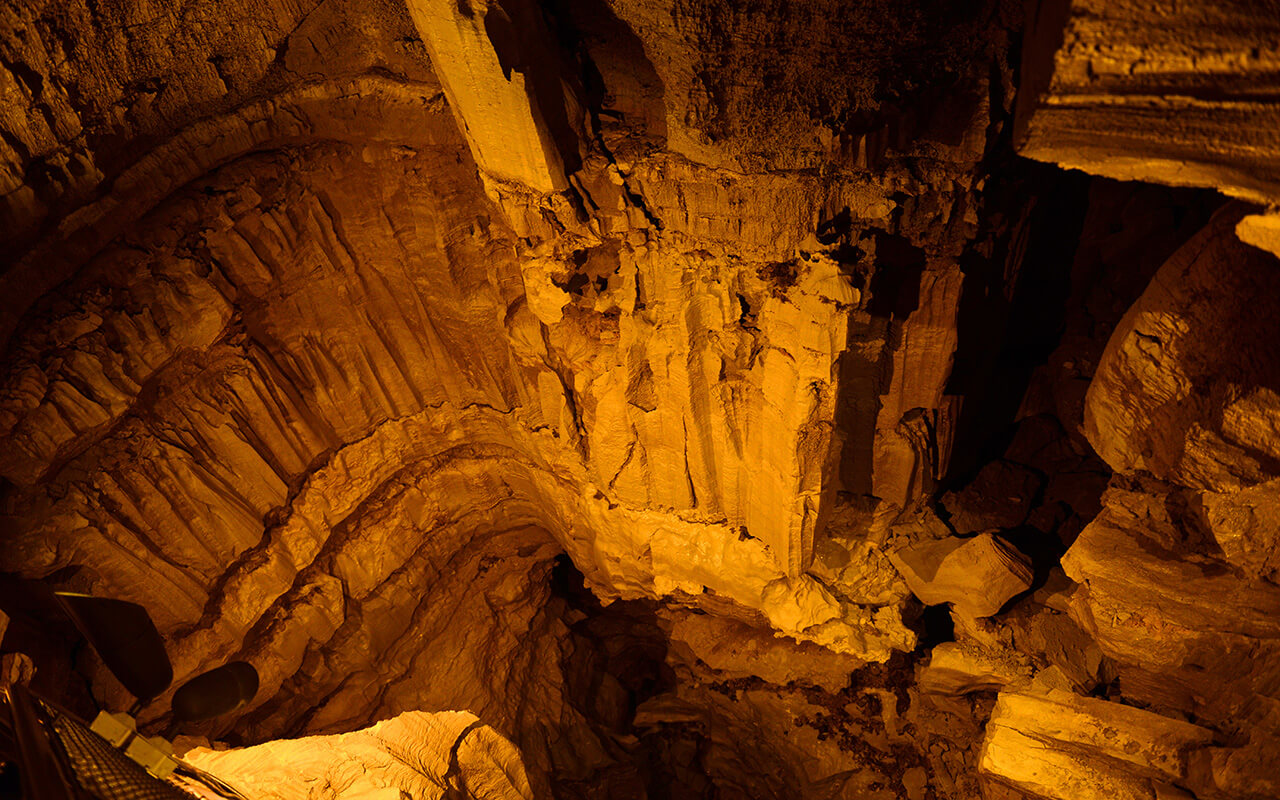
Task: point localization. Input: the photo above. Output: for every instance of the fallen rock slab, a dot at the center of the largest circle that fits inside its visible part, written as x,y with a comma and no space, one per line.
955,669
977,576
417,754
1059,745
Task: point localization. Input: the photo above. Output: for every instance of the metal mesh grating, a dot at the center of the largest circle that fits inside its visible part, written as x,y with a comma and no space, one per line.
102,770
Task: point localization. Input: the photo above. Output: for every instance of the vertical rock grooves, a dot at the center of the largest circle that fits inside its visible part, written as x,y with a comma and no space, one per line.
642,399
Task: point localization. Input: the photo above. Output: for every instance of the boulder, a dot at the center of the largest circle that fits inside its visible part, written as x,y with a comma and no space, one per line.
417,754
1058,745
977,575
956,669
1187,387
1183,630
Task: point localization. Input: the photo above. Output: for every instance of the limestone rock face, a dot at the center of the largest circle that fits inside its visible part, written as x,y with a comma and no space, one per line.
647,399
500,72
1186,389
1058,745
333,311
301,361
1175,574
1185,102
1217,631
445,754
977,576
955,669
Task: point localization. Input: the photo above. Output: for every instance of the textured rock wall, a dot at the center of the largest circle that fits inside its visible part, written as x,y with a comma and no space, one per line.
446,754
331,330
287,377
1173,577
1186,102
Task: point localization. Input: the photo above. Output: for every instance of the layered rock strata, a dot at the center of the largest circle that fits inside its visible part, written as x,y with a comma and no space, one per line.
446,754
335,333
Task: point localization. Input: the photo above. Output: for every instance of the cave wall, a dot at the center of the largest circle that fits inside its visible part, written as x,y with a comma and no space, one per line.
328,329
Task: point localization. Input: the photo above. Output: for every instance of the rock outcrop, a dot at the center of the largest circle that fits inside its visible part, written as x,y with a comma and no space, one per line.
1064,746
1174,576
704,397
416,754
1186,102
976,576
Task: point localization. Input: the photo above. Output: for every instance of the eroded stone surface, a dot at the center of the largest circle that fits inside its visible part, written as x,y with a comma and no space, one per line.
977,576
415,754
336,332
1186,389
1185,102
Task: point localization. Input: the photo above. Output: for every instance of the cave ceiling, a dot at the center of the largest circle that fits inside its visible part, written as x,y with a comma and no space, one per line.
711,400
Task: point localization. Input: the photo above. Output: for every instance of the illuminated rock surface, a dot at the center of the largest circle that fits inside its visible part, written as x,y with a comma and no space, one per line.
415,754
1065,746
706,399
976,576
